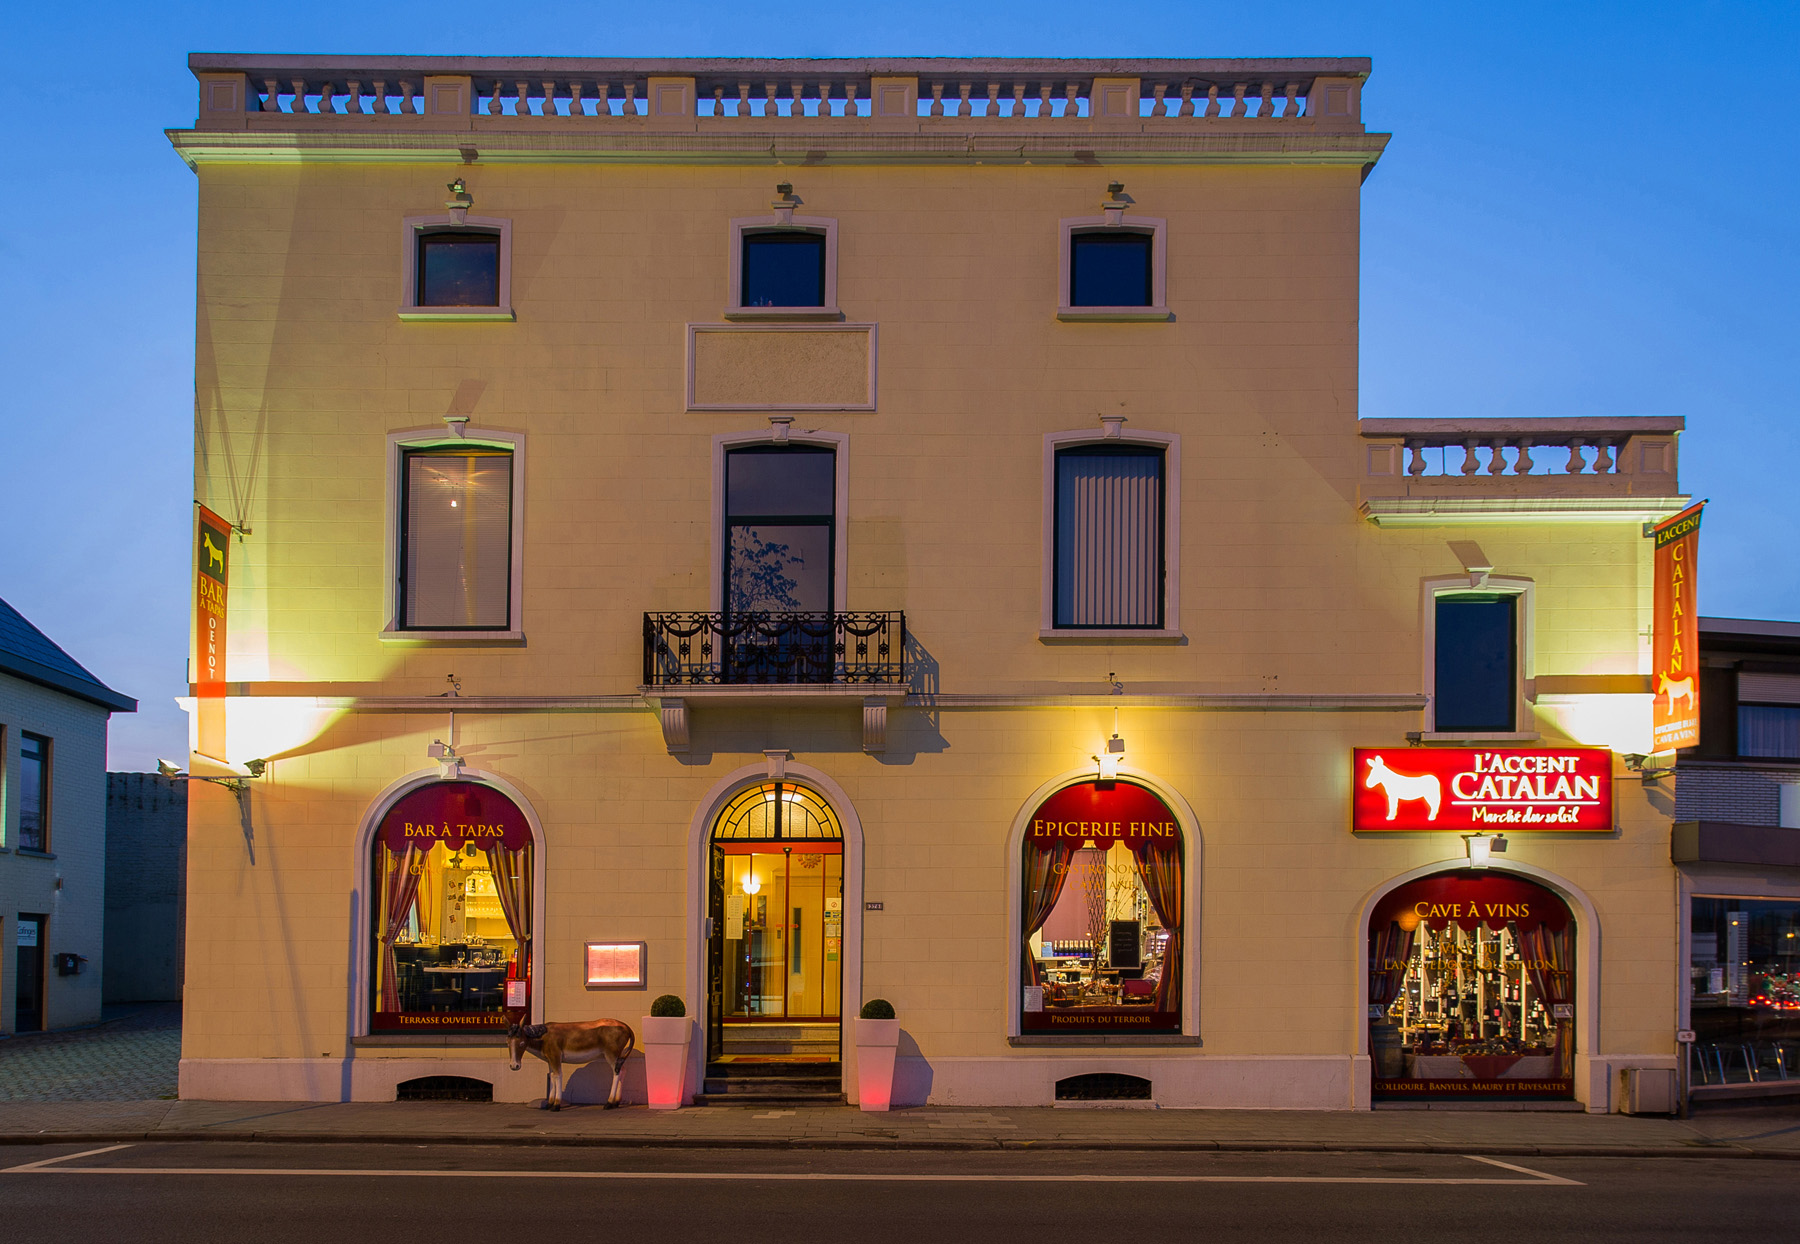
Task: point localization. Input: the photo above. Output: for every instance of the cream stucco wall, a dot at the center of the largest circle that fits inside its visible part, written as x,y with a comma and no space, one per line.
304,369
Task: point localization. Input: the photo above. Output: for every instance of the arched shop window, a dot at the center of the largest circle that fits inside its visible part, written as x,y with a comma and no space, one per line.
1472,990
451,908
1103,877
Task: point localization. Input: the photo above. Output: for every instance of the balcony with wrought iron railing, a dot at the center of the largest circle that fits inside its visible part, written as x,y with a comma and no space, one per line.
1580,469
799,650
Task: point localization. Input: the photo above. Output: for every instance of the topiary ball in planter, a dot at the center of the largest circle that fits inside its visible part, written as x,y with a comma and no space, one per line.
668,1006
878,1008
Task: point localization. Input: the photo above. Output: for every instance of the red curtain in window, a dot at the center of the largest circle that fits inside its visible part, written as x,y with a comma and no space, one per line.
1389,951
1046,870
512,883
1159,865
403,887
1549,958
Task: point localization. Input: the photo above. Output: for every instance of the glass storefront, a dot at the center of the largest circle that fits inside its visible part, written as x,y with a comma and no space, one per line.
1472,989
451,870
1101,913
1744,969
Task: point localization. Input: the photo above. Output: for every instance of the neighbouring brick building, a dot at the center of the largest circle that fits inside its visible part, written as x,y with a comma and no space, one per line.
146,887
787,533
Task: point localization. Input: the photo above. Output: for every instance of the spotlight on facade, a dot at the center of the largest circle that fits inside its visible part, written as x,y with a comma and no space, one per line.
1482,847
1109,759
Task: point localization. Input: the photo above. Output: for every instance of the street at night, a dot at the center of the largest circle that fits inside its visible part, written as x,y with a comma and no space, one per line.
398,1194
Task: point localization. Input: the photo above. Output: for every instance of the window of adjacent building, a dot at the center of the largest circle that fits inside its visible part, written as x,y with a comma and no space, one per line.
34,792
1476,663
780,519
1769,730
456,539
1744,973
783,268
458,268
1109,563
1111,268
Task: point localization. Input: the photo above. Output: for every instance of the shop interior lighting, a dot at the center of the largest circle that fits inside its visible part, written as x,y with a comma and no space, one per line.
1481,847
751,884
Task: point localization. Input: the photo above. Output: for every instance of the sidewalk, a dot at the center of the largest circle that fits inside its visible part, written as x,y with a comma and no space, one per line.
1761,1133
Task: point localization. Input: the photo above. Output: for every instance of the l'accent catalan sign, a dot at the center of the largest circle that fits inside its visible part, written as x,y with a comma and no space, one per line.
212,553
1468,790
1675,712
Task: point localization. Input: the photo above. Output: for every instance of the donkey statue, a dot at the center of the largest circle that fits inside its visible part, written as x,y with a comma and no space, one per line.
1402,786
556,1044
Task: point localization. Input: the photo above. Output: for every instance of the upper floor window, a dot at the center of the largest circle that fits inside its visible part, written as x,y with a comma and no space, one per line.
780,529
1109,524
34,792
1110,268
1769,730
785,268
456,539
1476,663
1114,267
459,268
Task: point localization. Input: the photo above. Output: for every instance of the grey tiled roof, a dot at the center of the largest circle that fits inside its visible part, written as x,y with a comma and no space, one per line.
28,653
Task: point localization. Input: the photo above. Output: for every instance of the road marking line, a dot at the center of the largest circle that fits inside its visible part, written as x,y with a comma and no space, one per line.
1538,1180
67,1157
1526,1170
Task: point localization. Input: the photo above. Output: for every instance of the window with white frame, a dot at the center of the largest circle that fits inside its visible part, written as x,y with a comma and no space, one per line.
783,267
457,269
1114,268
1110,525
457,539
1478,655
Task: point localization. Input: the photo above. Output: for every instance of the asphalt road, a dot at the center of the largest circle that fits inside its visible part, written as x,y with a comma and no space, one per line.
308,1194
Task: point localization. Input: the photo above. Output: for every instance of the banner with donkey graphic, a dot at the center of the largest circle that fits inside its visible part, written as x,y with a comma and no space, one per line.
1675,712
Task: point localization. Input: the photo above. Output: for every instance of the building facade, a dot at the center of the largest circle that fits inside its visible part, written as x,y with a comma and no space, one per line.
787,533
146,887
53,716
1737,845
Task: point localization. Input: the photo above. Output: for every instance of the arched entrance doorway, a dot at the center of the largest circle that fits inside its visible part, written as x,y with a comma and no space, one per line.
1471,990
775,952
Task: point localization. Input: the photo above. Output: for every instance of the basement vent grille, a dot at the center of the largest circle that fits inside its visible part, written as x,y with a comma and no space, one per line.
1103,1086
444,1088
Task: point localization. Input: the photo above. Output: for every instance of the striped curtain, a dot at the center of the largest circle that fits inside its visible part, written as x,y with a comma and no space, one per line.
1109,569
512,884
1046,870
1159,867
402,888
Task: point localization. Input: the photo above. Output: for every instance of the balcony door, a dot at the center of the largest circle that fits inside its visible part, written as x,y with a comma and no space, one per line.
780,534
780,529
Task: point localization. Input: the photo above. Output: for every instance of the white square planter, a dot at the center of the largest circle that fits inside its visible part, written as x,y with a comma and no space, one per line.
876,1043
665,1040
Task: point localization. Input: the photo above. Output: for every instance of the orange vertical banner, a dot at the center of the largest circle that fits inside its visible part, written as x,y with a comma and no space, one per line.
212,564
1675,712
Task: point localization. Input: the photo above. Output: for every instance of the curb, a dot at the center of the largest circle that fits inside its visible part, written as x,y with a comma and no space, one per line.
902,1144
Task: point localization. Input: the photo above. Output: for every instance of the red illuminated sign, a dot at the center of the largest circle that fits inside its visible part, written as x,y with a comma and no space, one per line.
1472,789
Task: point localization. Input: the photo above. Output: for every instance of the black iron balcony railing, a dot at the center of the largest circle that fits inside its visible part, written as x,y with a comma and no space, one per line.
736,649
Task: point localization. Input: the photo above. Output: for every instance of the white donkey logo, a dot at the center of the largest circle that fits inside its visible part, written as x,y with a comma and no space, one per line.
1402,786
1677,689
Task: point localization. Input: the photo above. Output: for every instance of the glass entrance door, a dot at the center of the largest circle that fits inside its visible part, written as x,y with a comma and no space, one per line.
28,980
782,929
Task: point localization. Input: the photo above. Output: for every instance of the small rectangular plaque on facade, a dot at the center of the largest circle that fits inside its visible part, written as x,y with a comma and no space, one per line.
872,906
616,965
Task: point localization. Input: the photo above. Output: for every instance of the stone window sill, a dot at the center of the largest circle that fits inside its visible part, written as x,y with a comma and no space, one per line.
409,1040
1111,635
29,854
783,313
1106,1042
1465,736
512,638
478,315
1114,315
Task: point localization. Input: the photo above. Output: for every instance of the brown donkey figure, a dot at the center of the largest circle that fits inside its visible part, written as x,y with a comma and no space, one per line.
556,1044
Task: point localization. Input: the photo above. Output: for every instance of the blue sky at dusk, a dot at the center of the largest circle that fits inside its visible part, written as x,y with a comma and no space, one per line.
1585,210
